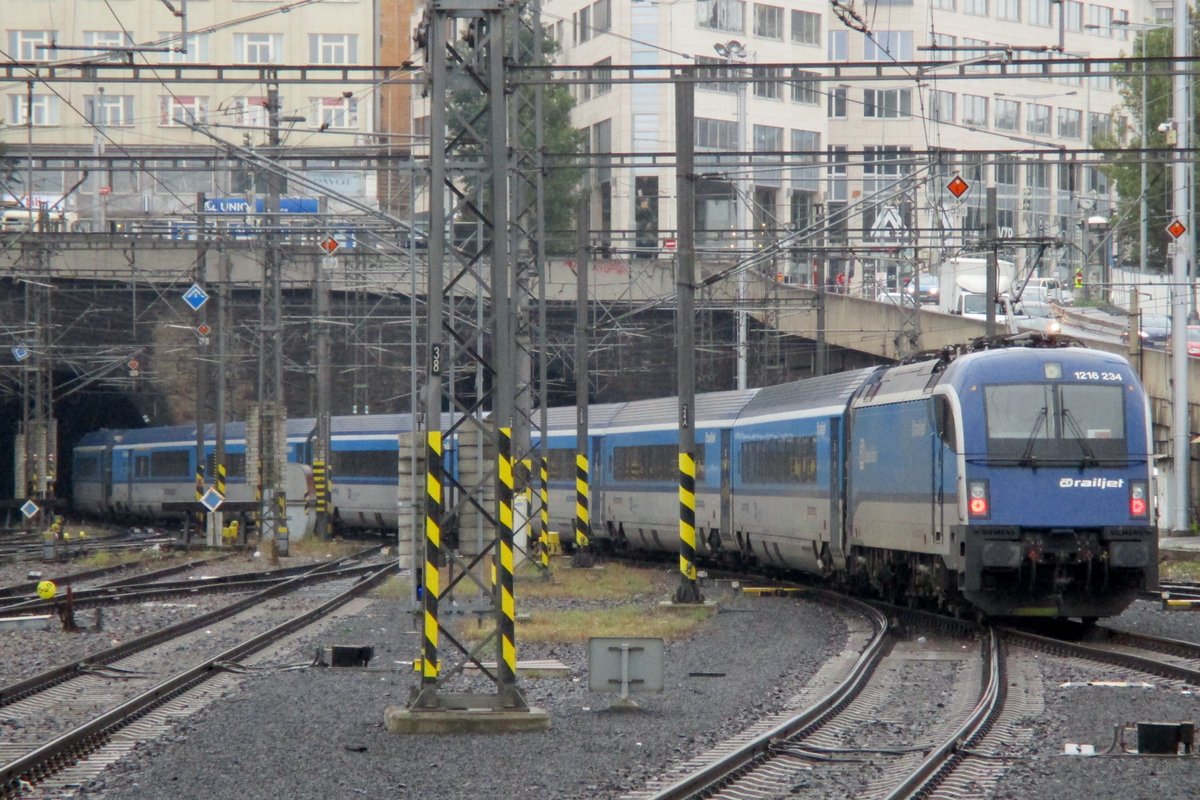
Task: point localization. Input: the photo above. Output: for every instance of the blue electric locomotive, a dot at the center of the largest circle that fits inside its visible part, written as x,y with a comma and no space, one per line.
1015,481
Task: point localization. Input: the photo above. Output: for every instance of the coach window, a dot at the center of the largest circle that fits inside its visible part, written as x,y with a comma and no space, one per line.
141,467
945,422
170,464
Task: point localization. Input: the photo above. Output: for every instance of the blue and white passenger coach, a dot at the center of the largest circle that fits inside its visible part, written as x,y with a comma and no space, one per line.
1019,478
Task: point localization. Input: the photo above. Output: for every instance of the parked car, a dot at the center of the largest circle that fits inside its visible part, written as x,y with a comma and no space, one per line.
1193,337
1155,332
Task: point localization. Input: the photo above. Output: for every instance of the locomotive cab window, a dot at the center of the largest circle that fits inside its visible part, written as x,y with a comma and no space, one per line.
1055,422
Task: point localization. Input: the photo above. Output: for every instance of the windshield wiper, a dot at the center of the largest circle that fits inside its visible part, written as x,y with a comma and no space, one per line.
1088,456
1027,455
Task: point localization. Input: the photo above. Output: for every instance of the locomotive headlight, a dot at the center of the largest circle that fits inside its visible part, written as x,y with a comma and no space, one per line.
978,505
1139,501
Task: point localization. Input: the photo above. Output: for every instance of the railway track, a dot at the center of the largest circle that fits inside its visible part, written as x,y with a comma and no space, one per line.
55,720
858,738
148,587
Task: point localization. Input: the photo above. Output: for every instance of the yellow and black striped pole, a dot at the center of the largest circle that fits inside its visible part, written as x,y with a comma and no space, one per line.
320,498
583,525
507,659
200,496
544,512
221,480
688,592
281,527
433,556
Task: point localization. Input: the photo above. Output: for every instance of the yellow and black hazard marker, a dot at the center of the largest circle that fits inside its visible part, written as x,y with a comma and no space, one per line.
544,512
320,487
220,485
199,481
583,524
688,591
508,612
433,554
281,528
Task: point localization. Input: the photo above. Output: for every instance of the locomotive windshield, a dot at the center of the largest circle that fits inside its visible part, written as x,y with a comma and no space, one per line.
1076,423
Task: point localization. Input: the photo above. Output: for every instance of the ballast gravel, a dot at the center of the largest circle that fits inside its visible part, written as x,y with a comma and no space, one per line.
318,733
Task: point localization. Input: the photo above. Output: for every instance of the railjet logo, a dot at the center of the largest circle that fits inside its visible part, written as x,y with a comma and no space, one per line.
1091,483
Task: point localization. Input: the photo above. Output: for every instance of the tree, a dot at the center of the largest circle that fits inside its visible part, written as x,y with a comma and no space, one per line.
467,106
1151,96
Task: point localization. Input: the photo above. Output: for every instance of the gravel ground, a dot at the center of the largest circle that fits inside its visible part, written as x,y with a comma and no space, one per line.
28,652
1087,715
319,733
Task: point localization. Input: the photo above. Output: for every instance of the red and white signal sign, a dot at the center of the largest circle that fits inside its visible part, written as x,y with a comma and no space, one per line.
203,329
329,245
1176,229
670,245
958,187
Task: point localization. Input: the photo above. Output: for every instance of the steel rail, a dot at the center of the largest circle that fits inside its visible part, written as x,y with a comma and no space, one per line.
73,745
104,596
1055,646
729,765
21,689
29,587
991,701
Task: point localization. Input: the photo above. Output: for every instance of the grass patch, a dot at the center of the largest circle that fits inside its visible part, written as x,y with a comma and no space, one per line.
394,588
578,625
606,583
1173,570
105,558
312,547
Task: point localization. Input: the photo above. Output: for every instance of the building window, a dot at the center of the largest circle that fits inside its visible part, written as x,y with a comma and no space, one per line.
603,85
837,102
977,7
716,134
336,112
768,82
939,40
113,110
195,49
888,46
721,15
1037,119
251,112
887,103
1069,122
839,45
768,139
1008,9
1073,15
1039,12
108,40
583,25
806,149
601,16
258,48
1008,115
1100,20
941,106
715,73
44,110
768,21
804,87
1099,125
975,110
332,48
806,28
178,110
26,45
948,5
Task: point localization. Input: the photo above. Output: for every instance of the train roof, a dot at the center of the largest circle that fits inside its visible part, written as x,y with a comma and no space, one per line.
370,424
158,435
561,419
712,408
826,391
100,438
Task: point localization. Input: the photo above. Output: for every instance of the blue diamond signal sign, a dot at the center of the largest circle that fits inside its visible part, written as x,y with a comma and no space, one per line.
195,296
29,509
20,352
212,500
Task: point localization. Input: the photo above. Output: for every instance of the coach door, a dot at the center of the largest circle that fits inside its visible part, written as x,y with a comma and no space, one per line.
106,470
726,479
837,527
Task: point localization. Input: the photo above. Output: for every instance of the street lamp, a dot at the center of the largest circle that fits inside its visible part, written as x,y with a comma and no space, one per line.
733,51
